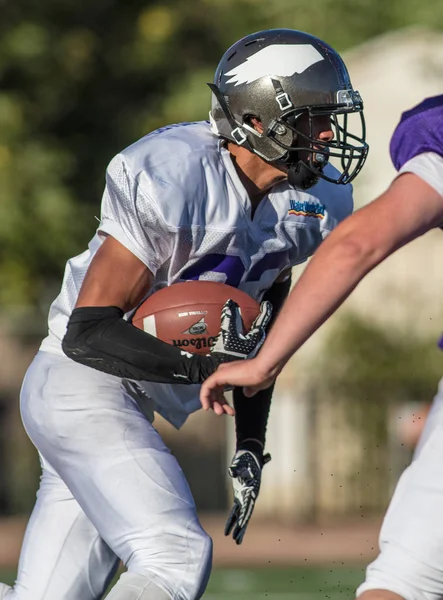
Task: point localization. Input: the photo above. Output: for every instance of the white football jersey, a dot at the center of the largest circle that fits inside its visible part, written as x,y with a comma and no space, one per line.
175,200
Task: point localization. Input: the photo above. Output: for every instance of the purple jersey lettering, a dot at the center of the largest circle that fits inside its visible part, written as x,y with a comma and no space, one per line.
231,266
234,269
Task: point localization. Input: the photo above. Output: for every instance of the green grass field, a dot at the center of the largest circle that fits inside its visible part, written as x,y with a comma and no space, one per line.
335,583
298,583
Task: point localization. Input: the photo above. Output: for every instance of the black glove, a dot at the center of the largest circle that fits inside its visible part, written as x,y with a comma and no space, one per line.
231,343
245,470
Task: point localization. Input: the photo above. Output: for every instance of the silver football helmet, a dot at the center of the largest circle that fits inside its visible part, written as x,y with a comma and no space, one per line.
276,76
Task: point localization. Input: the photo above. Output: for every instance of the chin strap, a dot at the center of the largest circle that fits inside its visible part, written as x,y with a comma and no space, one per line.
302,177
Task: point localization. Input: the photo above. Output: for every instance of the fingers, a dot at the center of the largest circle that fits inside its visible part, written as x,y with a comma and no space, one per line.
232,524
232,518
239,534
209,391
226,315
222,409
258,329
246,514
214,399
212,390
264,316
258,336
236,374
231,317
233,374
217,402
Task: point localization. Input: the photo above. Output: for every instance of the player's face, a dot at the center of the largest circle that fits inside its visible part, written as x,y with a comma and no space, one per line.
318,127
314,127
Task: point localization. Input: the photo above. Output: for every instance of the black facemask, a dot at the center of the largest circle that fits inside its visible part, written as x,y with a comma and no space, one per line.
343,148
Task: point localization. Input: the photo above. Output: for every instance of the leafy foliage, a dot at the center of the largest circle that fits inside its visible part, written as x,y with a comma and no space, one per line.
79,85
363,361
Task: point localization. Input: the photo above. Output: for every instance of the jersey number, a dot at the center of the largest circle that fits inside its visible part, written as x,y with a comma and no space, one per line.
233,268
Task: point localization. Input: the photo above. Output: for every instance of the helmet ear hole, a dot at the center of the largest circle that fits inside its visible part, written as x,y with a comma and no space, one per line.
253,123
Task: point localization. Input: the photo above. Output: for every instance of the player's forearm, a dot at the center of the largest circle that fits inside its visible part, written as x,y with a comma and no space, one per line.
334,271
98,337
355,247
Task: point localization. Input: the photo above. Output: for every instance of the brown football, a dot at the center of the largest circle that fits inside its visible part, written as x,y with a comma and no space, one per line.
187,314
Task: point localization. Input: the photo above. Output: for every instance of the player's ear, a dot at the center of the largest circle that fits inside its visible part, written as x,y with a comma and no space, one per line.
255,123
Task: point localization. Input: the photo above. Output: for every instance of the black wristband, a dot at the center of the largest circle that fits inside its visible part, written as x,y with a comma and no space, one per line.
251,419
100,338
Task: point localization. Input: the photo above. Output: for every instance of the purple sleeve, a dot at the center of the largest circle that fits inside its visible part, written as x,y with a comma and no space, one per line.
420,130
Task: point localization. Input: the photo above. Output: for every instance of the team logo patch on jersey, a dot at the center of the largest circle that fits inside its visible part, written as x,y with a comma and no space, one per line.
197,328
306,209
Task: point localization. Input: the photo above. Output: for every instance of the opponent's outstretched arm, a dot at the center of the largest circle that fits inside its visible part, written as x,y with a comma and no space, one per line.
407,209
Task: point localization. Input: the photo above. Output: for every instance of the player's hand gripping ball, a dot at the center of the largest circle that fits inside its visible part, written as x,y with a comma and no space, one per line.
189,315
232,344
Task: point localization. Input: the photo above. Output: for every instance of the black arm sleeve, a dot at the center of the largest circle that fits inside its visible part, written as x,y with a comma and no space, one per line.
100,338
251,414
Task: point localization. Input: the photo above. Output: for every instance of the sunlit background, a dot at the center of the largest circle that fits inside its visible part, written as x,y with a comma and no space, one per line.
80,82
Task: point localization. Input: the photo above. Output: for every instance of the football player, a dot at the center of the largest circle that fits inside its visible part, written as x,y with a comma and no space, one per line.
240,199
410,563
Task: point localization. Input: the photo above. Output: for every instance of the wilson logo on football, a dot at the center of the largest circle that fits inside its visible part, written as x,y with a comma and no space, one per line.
197,328
196,343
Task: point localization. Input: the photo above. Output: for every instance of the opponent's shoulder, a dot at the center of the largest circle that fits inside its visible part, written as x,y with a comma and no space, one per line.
419,131
172,166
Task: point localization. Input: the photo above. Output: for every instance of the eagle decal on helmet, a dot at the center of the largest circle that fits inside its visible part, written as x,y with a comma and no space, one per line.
281,60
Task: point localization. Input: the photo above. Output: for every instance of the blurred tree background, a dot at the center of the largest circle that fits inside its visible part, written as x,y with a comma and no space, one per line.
79,82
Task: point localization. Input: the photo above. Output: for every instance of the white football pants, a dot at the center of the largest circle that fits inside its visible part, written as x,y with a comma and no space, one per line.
110,490
410,562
